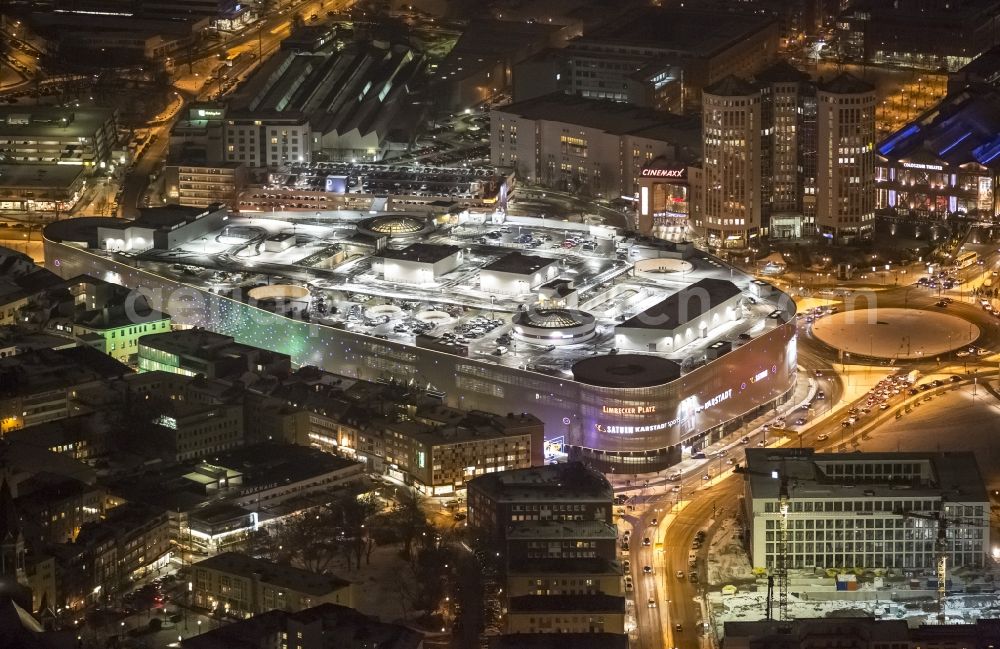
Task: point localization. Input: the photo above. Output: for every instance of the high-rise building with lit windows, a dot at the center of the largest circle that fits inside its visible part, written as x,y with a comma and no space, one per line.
731,140
845,189
785,157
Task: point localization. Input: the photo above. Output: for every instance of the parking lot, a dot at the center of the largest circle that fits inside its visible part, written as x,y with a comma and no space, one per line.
451,312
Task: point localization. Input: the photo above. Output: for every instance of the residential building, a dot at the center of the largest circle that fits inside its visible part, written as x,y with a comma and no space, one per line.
593,146
479,66
946,162
318,627
923,34
55,508
246,586
130,542
870,510
39,385
49,135
23,285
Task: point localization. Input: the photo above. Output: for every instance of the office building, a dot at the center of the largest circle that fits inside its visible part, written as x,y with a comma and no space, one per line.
731,125
946,162
560,640
214,356
662,58
597,613
923,34
436,449
781,156
318,627
845,159
591,146
556,492
870,510
560,548
479,66
49,135
243,585
115,332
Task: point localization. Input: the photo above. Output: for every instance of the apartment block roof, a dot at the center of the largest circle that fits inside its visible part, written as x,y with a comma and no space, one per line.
290,577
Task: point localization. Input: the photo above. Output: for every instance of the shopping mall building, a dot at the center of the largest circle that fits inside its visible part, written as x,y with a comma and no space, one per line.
634,411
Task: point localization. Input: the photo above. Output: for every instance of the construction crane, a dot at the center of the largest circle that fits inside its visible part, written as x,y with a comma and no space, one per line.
780,573
940,549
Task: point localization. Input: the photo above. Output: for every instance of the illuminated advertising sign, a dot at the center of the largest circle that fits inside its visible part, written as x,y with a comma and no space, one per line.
687,409
665,173
628,410
918,165
209,113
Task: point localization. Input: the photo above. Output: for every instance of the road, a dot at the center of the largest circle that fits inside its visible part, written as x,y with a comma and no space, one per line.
701,503
198,79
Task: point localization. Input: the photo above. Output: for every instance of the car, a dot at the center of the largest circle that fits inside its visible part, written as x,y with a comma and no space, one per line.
762,442
653,522
624,547
693,578
818,373
651,603
675,477
822,438
800,421
821,395
680,574
627,566
459,516
628,584
646,541
647,570
746,439
706,477
678,627
676,489
955,378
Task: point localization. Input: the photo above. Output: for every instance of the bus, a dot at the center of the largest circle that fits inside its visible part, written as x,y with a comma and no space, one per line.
966,259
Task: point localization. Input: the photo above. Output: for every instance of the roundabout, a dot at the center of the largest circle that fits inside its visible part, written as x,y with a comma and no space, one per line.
895,333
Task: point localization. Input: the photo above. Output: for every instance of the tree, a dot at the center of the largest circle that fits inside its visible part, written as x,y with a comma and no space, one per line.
411,521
